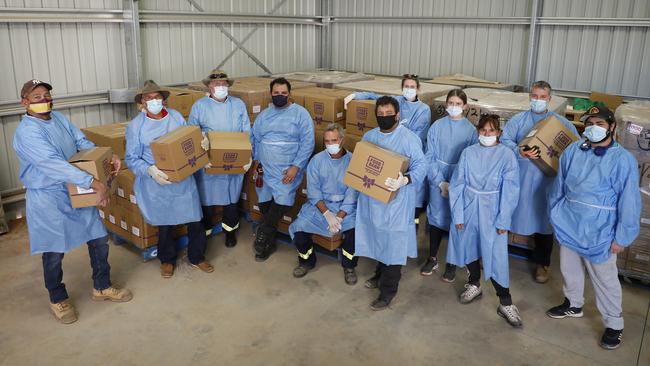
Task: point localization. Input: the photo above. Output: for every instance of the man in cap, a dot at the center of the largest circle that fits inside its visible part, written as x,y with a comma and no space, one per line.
164,204
44,142
595,210
220,112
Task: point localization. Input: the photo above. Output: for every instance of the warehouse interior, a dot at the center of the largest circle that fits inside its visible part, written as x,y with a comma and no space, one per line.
97,54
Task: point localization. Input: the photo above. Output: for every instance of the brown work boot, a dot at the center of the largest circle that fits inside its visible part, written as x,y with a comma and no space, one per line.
64,312
113,294
541,274
204,266
166,270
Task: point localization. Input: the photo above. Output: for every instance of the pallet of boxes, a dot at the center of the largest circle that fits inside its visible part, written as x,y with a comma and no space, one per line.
633,133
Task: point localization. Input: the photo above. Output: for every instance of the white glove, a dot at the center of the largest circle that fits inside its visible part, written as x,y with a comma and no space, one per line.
248,166
205,143
347,100
333,223
159,176
395,184
444,189
208,165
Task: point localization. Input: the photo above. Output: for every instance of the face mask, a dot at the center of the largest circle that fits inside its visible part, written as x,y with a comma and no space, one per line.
596,134
280,100
333,149
154,106
409,94
487,140
538,105
221,92
41,107
386,122
454,111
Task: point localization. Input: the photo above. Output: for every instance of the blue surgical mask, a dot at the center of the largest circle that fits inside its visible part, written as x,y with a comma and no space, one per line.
409,94
538,105
596,134
333,149
154,106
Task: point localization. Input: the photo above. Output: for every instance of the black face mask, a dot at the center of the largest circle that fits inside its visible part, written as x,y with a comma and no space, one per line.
280,100
386,122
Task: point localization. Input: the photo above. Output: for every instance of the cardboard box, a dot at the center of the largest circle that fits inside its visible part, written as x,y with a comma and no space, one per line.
113,136
328,243
611,101
291,215
142,234
248,194
182,99
229,152
325,78
369,168
527,241
319,142
298,96
551,137
179,153
360,117
96,162
466,81
326,107
350,141
125,194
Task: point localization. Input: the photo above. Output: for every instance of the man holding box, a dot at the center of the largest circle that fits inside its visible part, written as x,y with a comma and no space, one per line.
595,209
331,207
283,140
44,142
531,215
220,112
163,203
386,231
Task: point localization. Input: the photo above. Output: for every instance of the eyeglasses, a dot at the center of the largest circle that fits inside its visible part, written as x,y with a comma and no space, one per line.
410,76
218,76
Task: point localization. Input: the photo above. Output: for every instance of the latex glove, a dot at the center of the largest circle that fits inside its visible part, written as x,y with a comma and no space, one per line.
444,189
248,166
205,143
395,184
158,175
333,224
208,165
347,100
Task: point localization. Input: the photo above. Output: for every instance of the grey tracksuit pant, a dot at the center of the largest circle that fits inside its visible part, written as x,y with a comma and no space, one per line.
604,278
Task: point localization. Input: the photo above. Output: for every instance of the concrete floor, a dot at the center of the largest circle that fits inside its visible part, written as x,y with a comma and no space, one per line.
250,313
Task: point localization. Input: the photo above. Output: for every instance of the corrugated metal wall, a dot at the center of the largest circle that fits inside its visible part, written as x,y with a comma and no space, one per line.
609,59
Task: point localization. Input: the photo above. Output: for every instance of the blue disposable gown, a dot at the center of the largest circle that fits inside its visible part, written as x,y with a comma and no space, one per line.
173,204
325,183
43,149
446,140
595,200
386,232
531,215
229,116
416,116
282,137
483,193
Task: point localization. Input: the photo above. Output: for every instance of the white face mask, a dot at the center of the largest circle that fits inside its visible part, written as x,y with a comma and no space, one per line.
333,149
454,111
409,94
220,92
487,140
154,106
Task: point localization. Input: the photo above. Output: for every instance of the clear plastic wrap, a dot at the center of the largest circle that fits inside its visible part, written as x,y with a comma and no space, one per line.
633,128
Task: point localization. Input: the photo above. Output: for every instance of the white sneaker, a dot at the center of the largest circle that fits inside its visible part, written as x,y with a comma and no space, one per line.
511,314
472,292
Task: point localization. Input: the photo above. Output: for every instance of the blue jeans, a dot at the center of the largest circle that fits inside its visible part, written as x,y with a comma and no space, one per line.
53,272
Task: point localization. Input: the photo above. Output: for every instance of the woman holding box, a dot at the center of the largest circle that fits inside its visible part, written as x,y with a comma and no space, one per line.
162,203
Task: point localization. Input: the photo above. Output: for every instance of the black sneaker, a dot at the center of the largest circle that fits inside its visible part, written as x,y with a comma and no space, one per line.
379,304
564,310
450,274
611,338
372,282
350,276
231,239
430,266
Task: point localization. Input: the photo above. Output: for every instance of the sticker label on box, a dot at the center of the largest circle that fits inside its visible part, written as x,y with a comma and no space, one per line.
339,115
123,225
111,218
645,221
257,108
102,214
634,129
120,192
84,191
135,230
132,199
531,133
244,196
287,218
256,208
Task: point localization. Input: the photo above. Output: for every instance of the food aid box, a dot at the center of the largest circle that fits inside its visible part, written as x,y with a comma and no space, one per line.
113,136
96,162
350,141
369,168
248,195
298,96
329,243
552,138
125,194
182,99
467,81
327,106
229,152
141,234
179,153
360,117
319,140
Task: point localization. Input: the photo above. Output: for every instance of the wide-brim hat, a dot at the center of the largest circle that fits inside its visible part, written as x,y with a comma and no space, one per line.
218,74
150,86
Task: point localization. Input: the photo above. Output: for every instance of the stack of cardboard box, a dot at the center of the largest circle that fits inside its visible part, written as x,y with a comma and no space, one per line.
466,81
638,254
325,78
360,119
325,106
182,99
